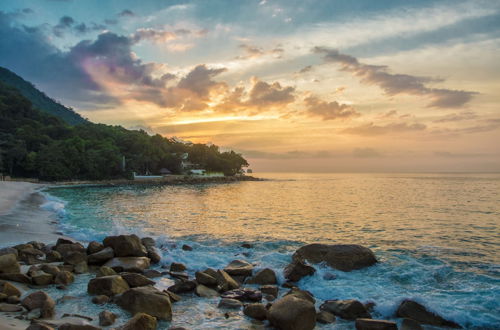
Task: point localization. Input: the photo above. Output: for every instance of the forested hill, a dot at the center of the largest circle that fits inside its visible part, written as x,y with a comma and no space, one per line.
38,145
39,99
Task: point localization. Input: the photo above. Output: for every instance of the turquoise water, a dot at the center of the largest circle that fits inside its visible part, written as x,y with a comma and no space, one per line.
437,235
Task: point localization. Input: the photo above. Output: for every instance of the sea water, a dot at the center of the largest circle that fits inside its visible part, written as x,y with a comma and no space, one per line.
436,236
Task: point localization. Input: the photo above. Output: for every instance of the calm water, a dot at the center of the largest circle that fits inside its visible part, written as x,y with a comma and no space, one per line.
437,235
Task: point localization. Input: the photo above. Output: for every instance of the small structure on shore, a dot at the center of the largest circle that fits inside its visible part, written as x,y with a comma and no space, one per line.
165,171
146,177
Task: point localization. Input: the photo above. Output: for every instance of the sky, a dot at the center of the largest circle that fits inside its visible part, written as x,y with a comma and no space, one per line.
295,86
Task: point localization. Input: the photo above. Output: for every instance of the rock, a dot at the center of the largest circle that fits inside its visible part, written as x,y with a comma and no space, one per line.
68,268
211,272
298,269
64,278
205,292
9,250
263,277
151,273
148,242
74,257
292,313
301,294
37,245
34,314
141,321
135,280
53,256
409,324
101,256
40,300
244,294
269,289
3,297
10,290
225,282
415,311
128,264
146,299
50,269
325,317
347,309
230,303
10,308
205,279
70,326
81,268
153,255
39,326
30,255
345,257
16,277
13,300
256,311
173,297
329,276
126,246
186,247
105,271
20,247
106,318
239,267
247,245
65,240
94,247
177,267
183,286
100,299
9,264
67,248
107,285
42,278
369,324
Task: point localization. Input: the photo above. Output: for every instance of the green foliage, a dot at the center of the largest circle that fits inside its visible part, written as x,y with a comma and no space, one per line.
36,144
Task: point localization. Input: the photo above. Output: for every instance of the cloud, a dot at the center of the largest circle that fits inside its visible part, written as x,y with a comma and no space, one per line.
158,36
468,115
199,80
306,69
316,107
366,153
126,13
265,94
394,84
65,23
371,129
252,51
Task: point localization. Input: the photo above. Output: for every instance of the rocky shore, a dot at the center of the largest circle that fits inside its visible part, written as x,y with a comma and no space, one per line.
124,271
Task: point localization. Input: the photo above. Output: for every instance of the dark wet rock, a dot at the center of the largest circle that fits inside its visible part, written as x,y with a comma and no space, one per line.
107,285
20,247
101,257
146,299
347,309
68,268
230,303
301,294
409,324
100,299
53,256
16,277
247,245
105,271
298,269
94,247
210,271
269,290
205,279
204,291
256,311
107,318
141,321
40,300
135,280
37,245
239,268
126,246
151,273
148,242
9,264
71,326
64,278
30,255
325,317
292,313
186,247
173,297
9,250
153,255
10,308
81,268
50,269
263,277
415,311
39,326
369,324
345,257
74,258
244,294
129,264
183,286
225,282
13,300
177,267
66,249
42,278
65,240
9,289
3,297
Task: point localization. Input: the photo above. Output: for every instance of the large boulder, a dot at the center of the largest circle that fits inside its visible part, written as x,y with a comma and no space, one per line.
205,279
42,301
146,300
292,313
369,324
16,277
126,246
74,258
94,247
9,290
256,311
107,318
107,285
9,264
298,269
230,303
264,277
206,292
101,257
64,277
135,280
301,294
243,294
66,248
183,286
40,277
239,267
140,321
225,282
350,309
8,250
30,255
415,311
345,257
128,264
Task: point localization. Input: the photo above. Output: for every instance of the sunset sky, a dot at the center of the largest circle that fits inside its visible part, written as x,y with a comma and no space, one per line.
308,85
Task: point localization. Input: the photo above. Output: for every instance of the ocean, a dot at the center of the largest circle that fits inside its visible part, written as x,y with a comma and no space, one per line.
437,237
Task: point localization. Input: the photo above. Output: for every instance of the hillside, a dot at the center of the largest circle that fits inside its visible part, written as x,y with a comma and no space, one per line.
39,99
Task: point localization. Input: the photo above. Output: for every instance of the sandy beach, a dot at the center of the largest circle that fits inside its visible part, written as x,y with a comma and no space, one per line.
21,218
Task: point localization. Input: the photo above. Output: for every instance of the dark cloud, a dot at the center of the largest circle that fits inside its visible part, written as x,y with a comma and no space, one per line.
306,69
265,94
394,84
371,129
468,115
28,11
126,13
159,36
200,81
252,51
316,107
